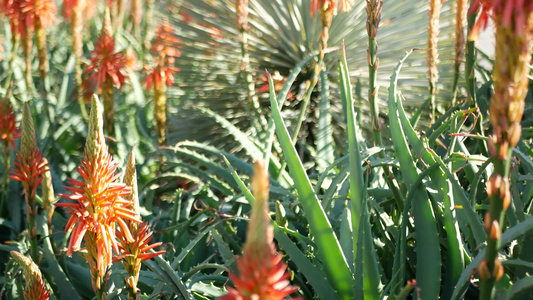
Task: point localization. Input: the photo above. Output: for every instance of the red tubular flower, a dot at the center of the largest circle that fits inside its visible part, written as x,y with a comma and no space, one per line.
8,126
44,10
318,5
97,203
29,164
133,252
106,62
160,75
11,8
262,271
513,13
279,81
35,285
165,42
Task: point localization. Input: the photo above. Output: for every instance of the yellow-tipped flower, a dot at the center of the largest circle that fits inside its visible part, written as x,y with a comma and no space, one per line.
97,203
35,285
262,272
29,163
132,253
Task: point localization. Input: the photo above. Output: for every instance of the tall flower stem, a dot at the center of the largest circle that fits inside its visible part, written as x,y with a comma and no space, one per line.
241,8
15,41
136,16
27,44
514,37
5,181
160,111
97,206
471,55
433,53
373,10
148,18
76,27
29,168
470,74
459,44
40,39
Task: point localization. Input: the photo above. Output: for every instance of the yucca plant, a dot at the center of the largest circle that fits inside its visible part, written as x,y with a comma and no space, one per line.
281,34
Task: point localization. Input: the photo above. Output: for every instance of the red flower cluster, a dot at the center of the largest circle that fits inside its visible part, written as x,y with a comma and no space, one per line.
165,43
8,126
512,13
159,75
97,203
138,249
263,274
319,5
43,10
27,11
165,46
29,163
106,62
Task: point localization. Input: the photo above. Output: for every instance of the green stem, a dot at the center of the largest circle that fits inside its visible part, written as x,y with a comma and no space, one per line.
250,83
470,62
374,12
471,54
147,25
32,228
497,213
99,294
5,180
305,103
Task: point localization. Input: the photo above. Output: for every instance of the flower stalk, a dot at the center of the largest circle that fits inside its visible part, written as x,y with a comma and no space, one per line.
29,168
35,285
241,8
459,43
165,48
514,38
107,71
27,45
132,253
262,272
36,16
76,13
373,11
433,52
136,14
97,205
327,9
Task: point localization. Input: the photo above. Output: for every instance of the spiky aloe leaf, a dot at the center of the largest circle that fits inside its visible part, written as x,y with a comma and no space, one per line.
329,250
428,271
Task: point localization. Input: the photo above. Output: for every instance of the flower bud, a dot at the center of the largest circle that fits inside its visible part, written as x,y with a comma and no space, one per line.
483,270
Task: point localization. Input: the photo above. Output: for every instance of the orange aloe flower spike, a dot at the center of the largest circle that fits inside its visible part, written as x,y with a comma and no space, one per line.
97,203
262,272
43,10
35,285
29,165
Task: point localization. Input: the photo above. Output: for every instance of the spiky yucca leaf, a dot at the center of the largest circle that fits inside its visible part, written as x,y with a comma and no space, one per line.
281,34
